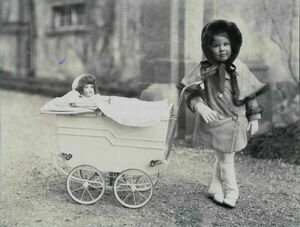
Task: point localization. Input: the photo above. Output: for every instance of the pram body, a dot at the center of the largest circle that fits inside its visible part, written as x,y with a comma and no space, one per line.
101,153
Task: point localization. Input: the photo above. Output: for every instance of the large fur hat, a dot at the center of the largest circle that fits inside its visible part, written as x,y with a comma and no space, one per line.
217,27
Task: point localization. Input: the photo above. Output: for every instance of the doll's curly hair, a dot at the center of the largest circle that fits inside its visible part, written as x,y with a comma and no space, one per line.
87,79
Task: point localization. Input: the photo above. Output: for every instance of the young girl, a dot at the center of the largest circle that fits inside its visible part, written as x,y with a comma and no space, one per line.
225,105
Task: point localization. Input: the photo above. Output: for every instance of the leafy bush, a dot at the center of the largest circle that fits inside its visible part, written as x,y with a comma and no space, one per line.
279,143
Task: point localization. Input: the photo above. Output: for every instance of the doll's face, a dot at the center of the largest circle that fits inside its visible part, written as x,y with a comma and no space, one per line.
220,47
88,90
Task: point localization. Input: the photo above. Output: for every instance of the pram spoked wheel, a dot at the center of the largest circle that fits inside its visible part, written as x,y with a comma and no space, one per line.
133,188
85,184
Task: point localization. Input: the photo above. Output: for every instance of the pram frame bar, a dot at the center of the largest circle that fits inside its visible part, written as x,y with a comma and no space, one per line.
174,117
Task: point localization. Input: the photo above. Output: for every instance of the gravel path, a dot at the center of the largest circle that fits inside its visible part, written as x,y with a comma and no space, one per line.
33,192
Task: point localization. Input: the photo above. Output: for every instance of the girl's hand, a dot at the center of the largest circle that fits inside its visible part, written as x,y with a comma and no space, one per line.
206,113
252,127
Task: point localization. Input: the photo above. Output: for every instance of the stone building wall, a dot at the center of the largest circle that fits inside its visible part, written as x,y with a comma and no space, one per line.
15,36
106,43
69,52
7,43
124,40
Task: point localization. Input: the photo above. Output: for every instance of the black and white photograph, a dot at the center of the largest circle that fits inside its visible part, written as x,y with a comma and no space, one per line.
149,113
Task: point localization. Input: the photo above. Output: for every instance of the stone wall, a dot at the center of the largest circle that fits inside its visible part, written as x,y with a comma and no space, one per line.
7,42
70,53
108,44
8,57
15,36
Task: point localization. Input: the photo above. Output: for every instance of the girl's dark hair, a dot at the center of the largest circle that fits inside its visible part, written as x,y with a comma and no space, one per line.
86,79
217,27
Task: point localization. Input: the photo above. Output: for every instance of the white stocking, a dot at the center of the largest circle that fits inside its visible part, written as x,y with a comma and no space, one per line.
216,182
228,174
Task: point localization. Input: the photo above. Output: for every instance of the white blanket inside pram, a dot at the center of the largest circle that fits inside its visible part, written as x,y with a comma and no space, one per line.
125,111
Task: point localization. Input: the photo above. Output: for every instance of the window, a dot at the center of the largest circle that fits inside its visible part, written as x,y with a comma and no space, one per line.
68,17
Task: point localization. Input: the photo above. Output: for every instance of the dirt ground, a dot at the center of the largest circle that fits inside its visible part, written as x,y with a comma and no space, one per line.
33,192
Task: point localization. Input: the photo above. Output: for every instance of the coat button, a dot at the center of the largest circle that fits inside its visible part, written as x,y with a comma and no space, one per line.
221,95
234,118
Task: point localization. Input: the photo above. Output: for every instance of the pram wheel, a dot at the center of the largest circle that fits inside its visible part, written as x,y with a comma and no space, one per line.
154,178
133,188
85,184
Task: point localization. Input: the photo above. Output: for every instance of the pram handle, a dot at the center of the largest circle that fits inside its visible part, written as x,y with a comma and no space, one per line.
173,118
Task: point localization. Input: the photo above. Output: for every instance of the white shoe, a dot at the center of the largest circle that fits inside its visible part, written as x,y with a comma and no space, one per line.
230,202
217,197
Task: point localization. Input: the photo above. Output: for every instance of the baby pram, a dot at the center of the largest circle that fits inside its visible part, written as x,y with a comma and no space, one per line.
102,153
